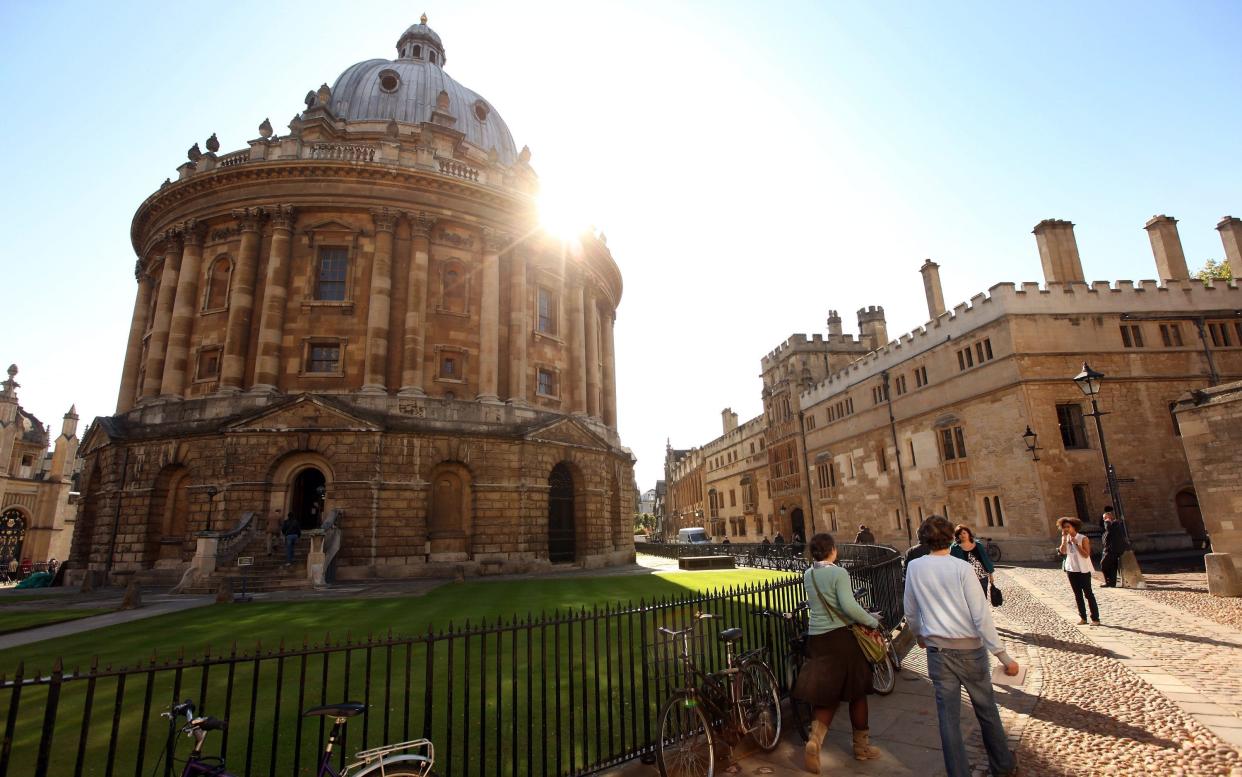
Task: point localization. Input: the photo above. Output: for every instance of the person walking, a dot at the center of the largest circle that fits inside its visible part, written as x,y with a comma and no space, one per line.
1076,547
835,670
951,618
272,528
916,551
864,536
965,548
1114,542
292,529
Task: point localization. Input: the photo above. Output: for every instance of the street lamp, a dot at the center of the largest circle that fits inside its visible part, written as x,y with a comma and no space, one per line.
211,503
1031,438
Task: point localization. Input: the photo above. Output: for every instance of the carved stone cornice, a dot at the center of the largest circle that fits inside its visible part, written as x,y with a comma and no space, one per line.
421,223
192,232
248,219
385,219
495,241
282,217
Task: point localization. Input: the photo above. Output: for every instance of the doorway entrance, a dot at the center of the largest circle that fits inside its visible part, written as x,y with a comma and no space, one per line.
561,515
796,525
306,498
1190,517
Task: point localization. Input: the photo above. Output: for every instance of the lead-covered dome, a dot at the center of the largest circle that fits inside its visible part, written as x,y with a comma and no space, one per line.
407,89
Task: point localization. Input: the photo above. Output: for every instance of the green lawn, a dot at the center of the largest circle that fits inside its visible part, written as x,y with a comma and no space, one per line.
564,694
21,619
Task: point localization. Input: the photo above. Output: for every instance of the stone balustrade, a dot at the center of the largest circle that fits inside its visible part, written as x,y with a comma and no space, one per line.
454,168
344,152
235,158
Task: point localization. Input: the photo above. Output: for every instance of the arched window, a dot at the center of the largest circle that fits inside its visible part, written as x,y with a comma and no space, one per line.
431,57
217,296
453,285
418,52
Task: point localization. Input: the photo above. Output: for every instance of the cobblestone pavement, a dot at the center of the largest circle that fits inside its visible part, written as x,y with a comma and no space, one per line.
1188,592
1147,693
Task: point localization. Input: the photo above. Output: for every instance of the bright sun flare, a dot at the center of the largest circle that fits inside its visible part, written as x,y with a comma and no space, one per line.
561,214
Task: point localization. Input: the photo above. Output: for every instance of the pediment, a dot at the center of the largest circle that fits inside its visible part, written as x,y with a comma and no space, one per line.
306,413
96,437
568,431
331,225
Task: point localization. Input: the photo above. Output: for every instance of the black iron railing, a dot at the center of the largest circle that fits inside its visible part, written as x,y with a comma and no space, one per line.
560,694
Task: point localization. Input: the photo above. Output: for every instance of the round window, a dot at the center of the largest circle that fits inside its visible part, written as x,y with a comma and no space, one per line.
481,110
389,81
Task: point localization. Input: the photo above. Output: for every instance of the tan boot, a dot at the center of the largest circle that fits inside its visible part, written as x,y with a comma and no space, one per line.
811,754
863,750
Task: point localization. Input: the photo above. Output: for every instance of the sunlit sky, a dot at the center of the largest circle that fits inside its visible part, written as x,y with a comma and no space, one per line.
753,165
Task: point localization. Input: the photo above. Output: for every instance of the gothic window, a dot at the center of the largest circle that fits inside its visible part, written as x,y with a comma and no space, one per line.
992,514
217,296
331,272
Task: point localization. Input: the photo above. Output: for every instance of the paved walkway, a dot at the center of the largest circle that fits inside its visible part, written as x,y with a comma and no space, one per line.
57,630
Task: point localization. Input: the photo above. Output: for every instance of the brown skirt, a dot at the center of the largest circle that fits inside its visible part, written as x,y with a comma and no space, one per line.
835,670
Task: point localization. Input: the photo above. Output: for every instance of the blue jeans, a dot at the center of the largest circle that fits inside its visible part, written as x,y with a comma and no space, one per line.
950,670
291,540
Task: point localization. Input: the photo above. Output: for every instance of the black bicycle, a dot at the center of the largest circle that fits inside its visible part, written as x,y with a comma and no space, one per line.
792,627
741,699
994,550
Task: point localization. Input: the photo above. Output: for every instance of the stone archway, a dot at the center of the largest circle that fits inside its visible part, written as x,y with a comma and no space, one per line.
293,492
562,546
1190,517
13,525
797,525
307,492
449,510
168,517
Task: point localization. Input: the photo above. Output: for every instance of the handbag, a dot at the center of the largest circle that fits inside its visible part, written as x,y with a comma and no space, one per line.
997,597
870,640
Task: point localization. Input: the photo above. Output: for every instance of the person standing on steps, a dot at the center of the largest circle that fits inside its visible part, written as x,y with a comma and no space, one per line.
835,670
272,528
292,530
1114,542
1076,547
951,618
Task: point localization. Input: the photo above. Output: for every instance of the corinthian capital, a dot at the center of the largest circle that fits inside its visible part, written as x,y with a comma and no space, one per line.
192,231
248,218
495,241
420,223
282,217
385,219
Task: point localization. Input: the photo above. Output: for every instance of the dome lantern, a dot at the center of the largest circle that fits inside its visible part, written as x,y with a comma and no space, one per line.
420,42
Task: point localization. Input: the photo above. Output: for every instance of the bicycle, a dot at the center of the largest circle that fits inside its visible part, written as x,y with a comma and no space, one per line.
884,672
376,762
794,626
741,699
994,550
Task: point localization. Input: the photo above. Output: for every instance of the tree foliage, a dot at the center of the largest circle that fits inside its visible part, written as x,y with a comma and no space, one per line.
1214,270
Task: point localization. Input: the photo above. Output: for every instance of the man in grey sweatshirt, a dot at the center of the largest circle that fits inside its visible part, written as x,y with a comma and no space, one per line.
951,617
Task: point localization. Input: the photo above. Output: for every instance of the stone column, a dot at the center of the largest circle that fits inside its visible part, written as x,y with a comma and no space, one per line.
375,368
416,306
591,313
275,300
577,346
157,346
241,302
610,369
177,362
133,349
519,327
489,317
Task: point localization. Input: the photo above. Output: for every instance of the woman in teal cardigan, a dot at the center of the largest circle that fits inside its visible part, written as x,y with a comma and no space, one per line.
972,553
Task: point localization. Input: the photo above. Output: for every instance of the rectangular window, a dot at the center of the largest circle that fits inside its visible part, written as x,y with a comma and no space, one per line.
881,458
208,364
961,361
324,358
901,385
1073,431
546,382
330,278
732,498
546,321
897,518
832,519
849,406
979,352
810,422
449,368
1081,506
913,461
953,453
1131,336
1220,335
1171,335
987,347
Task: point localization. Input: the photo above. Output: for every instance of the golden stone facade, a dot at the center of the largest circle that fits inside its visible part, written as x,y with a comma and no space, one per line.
362,318
863,430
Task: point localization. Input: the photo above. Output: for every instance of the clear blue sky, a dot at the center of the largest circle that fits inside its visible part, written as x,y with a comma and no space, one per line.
754,165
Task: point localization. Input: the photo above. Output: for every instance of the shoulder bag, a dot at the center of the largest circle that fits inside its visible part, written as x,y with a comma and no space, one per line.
869,640
997,597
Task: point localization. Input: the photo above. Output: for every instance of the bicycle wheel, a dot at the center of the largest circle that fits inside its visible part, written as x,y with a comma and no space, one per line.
802,712
761,704
884,673
994,551
685,747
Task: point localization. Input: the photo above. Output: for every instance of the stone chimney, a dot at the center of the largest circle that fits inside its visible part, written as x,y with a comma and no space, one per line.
871,327
1230,228
66,446
1058,251
729,418
931,287
834,324
1166,246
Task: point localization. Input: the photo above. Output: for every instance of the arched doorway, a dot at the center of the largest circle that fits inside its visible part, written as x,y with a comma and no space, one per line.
12,534
306,497
561,515
448,515
797,525
168,516
1190,517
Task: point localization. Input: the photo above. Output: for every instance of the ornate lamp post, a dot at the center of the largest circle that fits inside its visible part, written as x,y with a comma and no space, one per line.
1031,438
211,503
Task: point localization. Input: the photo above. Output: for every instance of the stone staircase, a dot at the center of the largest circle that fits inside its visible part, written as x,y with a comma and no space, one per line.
268,573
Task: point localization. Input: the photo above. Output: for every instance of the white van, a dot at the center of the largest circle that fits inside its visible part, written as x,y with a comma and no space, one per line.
693,536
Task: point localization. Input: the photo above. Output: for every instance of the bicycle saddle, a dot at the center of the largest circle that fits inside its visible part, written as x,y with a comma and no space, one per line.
731,635
346,709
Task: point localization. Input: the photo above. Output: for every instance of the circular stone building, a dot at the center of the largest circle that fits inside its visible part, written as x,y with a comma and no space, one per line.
360,323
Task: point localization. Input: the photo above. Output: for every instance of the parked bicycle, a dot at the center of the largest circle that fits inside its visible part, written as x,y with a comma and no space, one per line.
994,550
793,629
384,761
883,673
741,699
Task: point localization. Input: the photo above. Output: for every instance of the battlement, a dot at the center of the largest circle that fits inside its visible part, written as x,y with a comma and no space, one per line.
1029,299
871,313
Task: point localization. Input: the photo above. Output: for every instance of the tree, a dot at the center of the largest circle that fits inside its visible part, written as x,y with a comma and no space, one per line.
1214,270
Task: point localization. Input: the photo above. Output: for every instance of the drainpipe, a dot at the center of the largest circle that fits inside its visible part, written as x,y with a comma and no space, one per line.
1213,376
901,472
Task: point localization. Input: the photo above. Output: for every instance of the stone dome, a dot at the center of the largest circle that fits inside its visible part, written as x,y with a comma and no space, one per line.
406,90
